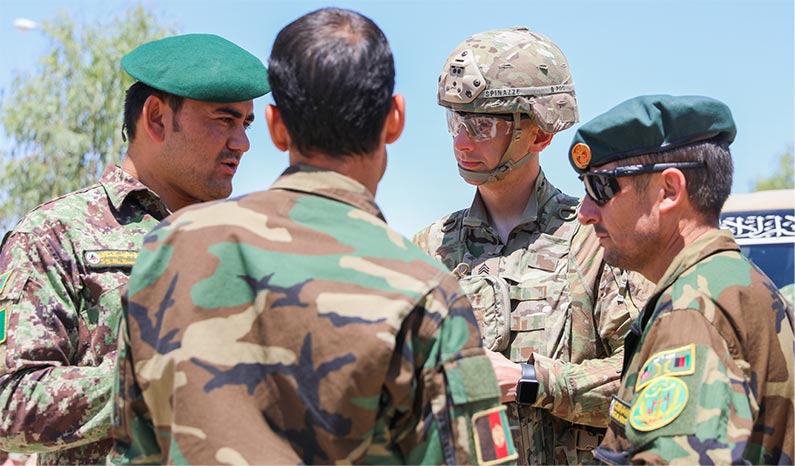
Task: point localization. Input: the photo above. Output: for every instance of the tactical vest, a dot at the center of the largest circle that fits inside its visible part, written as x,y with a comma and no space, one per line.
522,302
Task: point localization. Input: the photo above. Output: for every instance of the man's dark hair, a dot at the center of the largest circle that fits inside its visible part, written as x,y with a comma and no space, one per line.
708,186
332,76
134,103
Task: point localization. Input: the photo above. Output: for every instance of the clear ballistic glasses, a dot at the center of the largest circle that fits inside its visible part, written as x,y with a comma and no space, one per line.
479,126
602,186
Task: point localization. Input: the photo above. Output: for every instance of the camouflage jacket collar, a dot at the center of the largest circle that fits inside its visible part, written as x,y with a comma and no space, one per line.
477,216
710,243
119,185
330,184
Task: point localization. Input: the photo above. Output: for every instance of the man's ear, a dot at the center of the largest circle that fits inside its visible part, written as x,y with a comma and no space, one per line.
395,120
673,189
279,134
153,116
540,141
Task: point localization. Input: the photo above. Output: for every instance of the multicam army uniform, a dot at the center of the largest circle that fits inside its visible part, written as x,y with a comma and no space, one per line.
569,314
293,325
709,375
61,270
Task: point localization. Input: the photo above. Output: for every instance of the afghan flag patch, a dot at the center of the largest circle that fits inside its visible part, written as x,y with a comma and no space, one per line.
3,325
493,441
676,362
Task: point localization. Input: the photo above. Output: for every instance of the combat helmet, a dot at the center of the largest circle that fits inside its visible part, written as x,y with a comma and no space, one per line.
514,71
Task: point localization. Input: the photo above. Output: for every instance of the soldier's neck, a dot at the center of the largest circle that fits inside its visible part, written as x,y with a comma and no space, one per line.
506,200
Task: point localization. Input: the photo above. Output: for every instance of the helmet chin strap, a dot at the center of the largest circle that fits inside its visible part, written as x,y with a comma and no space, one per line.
505,165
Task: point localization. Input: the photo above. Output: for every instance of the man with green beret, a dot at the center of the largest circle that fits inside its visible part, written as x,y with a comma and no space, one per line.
64,266
552,314
293,325
708,365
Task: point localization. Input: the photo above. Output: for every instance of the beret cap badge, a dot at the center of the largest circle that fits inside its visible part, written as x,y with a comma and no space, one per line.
581,155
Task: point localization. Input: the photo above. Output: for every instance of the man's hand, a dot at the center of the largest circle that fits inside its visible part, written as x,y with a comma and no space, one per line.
508,374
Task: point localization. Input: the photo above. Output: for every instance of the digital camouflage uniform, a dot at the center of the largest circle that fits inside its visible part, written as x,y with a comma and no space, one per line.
61,271
709,375
569,313
293,325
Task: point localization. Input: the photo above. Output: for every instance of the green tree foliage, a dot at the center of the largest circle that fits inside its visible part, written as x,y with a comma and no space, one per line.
783,176
65,118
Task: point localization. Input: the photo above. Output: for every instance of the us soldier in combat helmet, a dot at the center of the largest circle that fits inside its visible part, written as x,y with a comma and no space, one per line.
552,312
709,365
63,266
294,325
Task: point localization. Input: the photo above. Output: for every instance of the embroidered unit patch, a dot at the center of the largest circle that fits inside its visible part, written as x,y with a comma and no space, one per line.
110,258
659,403
493,441
676,362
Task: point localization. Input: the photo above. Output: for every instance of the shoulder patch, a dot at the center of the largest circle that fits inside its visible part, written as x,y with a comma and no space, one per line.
676,362
5,278
659,403
493,441
3,325
109,258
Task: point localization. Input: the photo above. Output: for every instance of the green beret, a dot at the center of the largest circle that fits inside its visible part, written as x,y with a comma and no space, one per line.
647,125
202,67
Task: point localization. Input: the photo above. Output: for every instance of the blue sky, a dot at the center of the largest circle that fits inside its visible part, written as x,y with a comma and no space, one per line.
738,51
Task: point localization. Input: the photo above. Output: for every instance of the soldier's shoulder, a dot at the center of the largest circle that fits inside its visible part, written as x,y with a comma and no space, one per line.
62,209
432,234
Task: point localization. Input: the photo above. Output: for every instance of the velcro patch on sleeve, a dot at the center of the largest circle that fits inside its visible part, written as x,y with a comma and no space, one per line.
3,325
108,258
676,362
662,401
493,441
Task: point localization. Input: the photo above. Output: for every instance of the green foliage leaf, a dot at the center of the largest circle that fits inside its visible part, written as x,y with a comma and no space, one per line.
784,176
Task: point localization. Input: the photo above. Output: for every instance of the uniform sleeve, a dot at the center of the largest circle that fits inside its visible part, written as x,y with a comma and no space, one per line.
453,414
48,404
691,402
604,305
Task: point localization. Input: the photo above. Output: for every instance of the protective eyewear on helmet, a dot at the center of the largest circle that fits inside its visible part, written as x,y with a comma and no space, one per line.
479,126
602,186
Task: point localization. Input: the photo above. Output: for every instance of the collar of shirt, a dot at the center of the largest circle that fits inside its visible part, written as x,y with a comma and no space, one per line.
119,187
330,184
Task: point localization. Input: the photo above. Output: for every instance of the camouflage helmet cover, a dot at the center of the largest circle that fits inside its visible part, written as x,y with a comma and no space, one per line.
507,71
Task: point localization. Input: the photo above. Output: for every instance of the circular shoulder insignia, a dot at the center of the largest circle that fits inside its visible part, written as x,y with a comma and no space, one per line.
659,403
581,155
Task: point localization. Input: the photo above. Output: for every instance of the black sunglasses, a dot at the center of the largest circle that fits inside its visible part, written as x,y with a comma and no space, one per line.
602,186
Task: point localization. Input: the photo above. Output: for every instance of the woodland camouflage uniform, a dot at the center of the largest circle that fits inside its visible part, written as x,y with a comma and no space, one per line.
716,332
298,314
708,366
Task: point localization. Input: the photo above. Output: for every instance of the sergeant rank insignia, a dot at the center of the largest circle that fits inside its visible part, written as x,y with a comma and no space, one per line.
493,441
